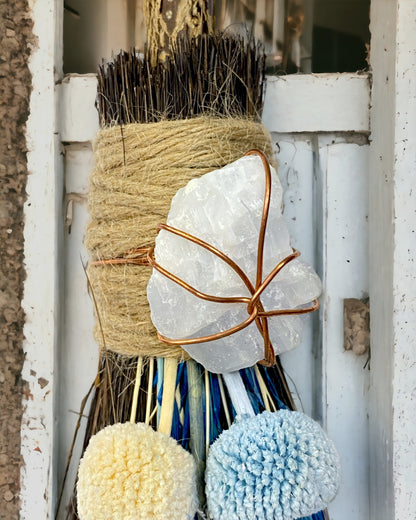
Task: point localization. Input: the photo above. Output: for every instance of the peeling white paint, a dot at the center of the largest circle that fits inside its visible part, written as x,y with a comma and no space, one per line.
40,301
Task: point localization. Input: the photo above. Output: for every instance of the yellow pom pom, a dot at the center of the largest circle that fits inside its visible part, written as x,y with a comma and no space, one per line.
131,472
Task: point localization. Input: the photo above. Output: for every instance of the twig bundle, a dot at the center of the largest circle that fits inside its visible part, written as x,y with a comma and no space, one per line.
221,75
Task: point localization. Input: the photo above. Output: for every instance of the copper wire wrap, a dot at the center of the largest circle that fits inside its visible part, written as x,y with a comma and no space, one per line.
255,309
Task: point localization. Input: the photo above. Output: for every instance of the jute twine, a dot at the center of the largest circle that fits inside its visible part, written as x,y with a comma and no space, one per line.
138,169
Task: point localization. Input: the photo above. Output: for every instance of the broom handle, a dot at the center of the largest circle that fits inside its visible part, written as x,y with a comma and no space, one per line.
238,394
168,395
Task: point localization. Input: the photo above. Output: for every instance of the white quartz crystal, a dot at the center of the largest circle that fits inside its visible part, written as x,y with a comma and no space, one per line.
224,208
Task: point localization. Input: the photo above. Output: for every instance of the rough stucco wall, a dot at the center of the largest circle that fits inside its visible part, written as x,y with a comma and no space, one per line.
15,81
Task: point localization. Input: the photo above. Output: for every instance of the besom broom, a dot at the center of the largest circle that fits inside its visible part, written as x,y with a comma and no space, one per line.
216,80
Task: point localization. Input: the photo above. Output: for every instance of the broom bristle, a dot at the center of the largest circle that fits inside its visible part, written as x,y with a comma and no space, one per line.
115,384
217,74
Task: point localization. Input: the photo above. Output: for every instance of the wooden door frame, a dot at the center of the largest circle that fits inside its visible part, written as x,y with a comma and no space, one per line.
41,301
392,251
392,223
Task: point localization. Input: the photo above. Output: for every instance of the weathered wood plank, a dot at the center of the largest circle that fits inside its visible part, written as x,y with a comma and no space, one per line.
296,173
78,117
392,259
77,358
342,211
42,225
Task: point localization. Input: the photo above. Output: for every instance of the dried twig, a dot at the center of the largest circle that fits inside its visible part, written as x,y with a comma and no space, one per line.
220,75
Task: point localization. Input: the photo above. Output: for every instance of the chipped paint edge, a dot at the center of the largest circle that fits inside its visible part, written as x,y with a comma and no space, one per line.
41,251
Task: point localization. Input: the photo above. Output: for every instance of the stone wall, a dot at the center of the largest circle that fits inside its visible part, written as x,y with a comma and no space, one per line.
15,84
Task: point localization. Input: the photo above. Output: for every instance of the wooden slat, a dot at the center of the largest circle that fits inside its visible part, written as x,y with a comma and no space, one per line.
317,103
295,103
296,173
342,212
78,352
326,206
78,121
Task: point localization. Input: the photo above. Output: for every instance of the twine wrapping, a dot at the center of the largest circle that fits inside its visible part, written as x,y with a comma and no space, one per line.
138,169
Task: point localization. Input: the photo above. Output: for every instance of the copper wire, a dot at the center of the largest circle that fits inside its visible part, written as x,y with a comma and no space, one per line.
255,309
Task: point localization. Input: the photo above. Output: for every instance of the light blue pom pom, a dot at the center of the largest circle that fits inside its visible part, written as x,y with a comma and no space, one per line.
275,466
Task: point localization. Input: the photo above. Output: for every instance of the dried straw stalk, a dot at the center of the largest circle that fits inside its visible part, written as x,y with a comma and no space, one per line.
220,75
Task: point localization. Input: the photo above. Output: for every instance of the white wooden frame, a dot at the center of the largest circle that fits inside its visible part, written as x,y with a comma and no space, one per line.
392,260
42,264
324,103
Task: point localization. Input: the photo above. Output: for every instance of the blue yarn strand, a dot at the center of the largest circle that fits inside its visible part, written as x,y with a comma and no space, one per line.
181,432
186,427
211,412
316,516
160,392
176,423
256,400
185,406
215,406
159,386
272,388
